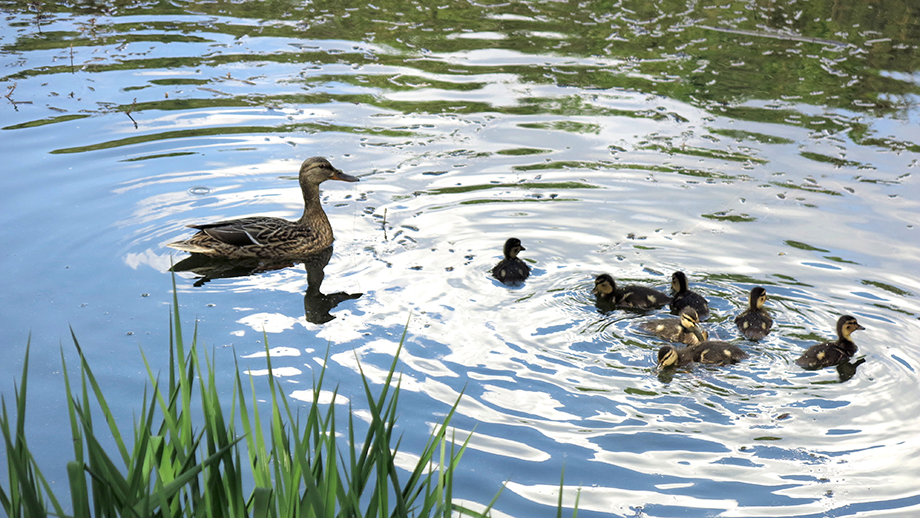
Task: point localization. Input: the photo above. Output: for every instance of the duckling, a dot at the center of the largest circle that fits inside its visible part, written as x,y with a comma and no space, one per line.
685,329
682,297
511,269
267,237
755,322
632,296
711,351
832,353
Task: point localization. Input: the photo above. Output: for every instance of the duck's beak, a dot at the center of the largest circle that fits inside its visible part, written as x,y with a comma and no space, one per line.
859,327
339,175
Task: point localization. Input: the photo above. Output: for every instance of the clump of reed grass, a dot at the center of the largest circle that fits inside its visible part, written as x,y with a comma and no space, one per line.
190,451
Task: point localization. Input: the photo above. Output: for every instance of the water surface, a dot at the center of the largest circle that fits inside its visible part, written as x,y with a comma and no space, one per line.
745,143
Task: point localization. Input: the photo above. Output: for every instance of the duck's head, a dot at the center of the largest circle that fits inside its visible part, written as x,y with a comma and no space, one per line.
758,297
604,286
513,247
667,357
317,170
690,321
846,325
678,282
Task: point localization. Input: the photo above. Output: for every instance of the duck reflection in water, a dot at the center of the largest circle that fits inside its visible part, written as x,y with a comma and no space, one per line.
847,370
316,304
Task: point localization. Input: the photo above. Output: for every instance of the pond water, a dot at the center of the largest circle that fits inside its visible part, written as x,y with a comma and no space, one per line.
746,143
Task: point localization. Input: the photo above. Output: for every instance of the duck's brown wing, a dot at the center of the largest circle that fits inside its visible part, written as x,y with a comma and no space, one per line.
259,231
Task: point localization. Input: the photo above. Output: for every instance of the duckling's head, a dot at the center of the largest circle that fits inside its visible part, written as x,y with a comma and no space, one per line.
604,286
678,282
513,247
667,357
688,317
317,170
846,325
758,297
690,321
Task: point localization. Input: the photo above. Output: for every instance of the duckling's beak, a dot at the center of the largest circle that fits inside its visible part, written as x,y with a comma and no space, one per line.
859,327
339,175
661,365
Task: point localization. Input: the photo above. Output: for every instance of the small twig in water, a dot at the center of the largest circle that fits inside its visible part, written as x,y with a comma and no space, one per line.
384,224
9,97
131,109
38,16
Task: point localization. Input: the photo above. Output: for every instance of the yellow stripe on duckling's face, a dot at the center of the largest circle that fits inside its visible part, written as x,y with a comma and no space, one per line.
849,327
670,357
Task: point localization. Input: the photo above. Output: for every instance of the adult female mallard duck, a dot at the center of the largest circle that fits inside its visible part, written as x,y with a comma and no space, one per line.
632,296
685,329
711,352
682,296
512,269
267,237
754,322
832,353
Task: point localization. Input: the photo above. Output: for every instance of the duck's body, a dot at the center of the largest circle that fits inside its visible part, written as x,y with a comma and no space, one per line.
755,322
512,269
711,351
682,296
832,353
632,296
685,329
265,237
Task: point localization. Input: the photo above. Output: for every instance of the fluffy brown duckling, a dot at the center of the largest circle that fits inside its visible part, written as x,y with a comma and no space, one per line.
832,353
712,352
512,269
632,296
755,322
684,329
266,237
682,296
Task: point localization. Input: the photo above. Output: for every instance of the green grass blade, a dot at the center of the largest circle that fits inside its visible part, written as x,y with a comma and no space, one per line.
261,502
78,489
169,490
561,487
103,405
